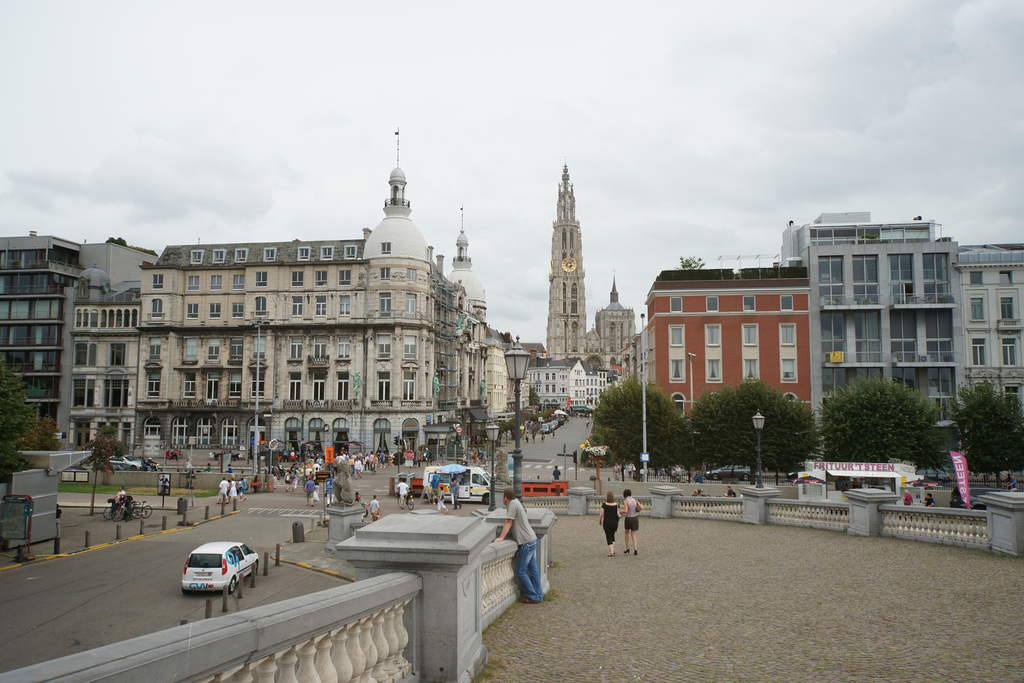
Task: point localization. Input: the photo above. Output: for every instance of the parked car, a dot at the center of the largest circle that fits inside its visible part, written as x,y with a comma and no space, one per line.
976,492
212,566
740,472
124,463
940,475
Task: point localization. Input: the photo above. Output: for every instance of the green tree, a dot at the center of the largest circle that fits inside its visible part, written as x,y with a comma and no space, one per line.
41,435
618,424
990,428
879,420
534,397
723,427
103,447
16,417
690,263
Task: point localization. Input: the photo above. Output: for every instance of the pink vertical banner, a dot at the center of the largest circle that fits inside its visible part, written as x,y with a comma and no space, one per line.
960,470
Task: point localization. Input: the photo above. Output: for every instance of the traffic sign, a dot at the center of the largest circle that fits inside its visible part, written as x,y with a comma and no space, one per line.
409,455
458,429
645,457
330,485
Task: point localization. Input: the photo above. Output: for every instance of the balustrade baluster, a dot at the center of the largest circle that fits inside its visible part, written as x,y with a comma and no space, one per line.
380,641
267,669
307,669
355,650
340,653
324,661
369,649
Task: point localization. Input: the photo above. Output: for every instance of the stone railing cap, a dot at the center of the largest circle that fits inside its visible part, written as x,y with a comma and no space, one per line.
754,492
872,495
1012,500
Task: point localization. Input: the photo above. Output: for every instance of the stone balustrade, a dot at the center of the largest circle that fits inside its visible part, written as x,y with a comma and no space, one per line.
945,525
810,513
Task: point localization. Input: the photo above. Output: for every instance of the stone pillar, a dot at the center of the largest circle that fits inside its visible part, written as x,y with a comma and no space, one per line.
1005,510
578,500
445,624
662,500
541,521
341,522
755,503
865,519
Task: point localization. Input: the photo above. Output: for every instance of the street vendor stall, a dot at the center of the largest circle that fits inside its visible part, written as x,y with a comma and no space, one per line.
884,475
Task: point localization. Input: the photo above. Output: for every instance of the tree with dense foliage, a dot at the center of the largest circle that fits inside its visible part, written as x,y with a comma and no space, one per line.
691,263
879,420
723,428
41,435
990,428
16,417
124,243
103,447
618,424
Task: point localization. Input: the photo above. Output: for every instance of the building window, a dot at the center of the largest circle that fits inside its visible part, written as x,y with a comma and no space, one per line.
235,347
321,306
675,304
319,386
212,386
344,305
256,388
409,346
261,305
1006,277
675,335
714,370
320,278
865,279
976,277
192,311
235,384
297,278
218,255
213,350
344,277
1009,351
410,274
196,256
383,346
350,251
385,247
214,311
868,336
326,253
833,333
939,335
189,390
901,277
384,386
977,308
193,283
786,302
295,348
238,281
241,255
936,277
749,303
385,304
296,306
342,386
978,351
750,335
788,370
385,273
319,347
304,253
216,282
294,386
344,347
238,309
191,349
158,281
409,385
903,332
1006,308
154,348
750,368
830,278
117,353
711,304
787,335
410,305
153,385
713,335
269,253
261,278
677,369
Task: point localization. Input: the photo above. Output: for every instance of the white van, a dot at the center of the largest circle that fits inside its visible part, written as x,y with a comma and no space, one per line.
476,483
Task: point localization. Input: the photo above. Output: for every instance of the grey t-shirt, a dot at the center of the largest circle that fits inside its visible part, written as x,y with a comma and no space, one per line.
521,530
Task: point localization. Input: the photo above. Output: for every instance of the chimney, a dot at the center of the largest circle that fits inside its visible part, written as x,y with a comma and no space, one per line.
440,263
366,233
32,233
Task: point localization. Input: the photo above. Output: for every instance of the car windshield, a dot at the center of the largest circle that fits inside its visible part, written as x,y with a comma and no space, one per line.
204,561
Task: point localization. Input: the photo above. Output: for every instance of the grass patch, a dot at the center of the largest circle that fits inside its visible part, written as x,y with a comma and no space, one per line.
108,491
491,670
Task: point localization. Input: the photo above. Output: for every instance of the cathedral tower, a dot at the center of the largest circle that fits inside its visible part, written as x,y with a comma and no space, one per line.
567,304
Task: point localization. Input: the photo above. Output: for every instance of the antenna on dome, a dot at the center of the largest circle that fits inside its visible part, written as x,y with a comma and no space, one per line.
398,151
462,220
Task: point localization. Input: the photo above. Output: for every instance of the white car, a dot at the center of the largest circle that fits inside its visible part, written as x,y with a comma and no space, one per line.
212,566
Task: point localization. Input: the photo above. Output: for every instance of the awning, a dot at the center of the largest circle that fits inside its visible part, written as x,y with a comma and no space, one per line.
478,415
442,428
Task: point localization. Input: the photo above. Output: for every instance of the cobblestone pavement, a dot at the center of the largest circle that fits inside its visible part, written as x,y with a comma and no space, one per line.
723,601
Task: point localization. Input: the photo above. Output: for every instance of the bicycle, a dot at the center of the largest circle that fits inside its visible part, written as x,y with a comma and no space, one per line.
407,501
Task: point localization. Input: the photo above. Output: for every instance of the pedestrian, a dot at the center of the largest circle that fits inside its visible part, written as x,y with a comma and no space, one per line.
608,518
907,498
1011,485
517,523
698,478
440,500
631,508
929,502
456,484
233,490
435,488
556,474
241,488
729,492
310,488
374,509
222,490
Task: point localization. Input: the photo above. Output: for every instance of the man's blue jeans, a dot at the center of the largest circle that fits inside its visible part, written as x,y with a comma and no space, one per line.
527,572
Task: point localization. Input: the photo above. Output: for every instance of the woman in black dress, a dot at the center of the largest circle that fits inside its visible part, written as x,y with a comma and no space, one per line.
609,519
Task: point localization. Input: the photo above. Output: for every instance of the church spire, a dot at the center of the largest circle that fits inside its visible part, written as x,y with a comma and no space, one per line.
615,292
566,198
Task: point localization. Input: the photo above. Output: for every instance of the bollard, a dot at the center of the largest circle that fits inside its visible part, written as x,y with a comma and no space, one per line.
165,522
234,504
224,599
56,547
182,622
207,512
184,519
222,504
266,562
298,533
87,539
238,589
117,533
252,577
142,527
277,555
209,609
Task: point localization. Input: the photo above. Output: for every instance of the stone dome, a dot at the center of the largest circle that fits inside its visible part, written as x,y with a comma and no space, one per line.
396,236
97,278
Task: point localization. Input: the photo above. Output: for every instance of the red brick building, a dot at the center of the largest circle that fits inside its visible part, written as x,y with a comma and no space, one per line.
710,328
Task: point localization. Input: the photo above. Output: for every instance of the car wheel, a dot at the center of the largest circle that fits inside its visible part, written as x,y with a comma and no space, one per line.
486,499
185,591
233,584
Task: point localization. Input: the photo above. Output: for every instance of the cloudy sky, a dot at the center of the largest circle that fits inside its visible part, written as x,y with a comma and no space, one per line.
690,128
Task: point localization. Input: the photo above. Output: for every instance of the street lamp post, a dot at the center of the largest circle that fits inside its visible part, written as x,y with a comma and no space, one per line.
518,361
758,426
255,445
492,436
691,356
643,388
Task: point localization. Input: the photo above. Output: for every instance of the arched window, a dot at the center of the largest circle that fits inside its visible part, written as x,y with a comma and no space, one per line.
204,431
120,319
229,432
680,401
179,431
151,428
103,318
261,305
316,430
135,318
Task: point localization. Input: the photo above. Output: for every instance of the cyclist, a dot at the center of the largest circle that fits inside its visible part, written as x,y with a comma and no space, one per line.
403,494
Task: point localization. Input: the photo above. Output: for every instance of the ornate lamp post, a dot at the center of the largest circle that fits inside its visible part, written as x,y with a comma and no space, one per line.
758,426
492,436
518,361
255,445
